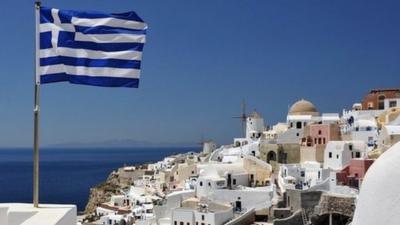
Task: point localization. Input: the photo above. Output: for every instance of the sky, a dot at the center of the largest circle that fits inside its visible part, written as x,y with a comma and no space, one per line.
200,60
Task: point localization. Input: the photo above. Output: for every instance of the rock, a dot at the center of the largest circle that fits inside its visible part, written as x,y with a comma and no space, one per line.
103,192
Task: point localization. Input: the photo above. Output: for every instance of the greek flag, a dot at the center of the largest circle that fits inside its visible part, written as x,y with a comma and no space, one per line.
92,48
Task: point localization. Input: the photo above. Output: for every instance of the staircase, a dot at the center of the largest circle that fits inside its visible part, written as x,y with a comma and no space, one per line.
304,217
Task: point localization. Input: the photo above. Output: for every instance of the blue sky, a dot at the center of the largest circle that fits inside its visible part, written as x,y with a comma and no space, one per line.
201,59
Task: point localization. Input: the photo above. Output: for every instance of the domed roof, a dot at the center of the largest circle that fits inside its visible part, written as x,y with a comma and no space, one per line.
255,115
379,195
303,107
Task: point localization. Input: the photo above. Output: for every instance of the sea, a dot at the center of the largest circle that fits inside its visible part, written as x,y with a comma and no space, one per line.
67,174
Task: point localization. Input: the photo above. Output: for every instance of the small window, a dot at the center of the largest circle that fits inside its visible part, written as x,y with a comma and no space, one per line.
234,181
201,183
302,174
392,104
182,223
324,141
202,217
358,154
175,223
350,147
320,132
209,184
337,156
291,124
298,125
192,172
330,156
187,223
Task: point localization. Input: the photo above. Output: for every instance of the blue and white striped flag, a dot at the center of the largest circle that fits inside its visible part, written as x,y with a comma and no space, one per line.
92,48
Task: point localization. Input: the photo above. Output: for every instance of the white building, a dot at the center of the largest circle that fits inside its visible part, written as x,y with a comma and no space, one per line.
209,147
365,130
194,212
276,130
303,176
391,103
389,136
254,126
361,125
339,153
300,114
113,219
46,214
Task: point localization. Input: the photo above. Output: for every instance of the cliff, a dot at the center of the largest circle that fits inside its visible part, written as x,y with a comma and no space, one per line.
102,192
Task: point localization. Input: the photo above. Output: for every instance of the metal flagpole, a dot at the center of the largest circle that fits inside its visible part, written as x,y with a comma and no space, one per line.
36,110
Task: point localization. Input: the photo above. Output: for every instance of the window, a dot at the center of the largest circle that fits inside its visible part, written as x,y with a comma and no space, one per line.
297,134
201,183
234,182
350,147
209,184
320,132
319,140
370,105
392,104
315,140
187,223
323,141
330,156
298,125
181,223
291,124
358,154
302,173
175,223
192,172
337,156
202,217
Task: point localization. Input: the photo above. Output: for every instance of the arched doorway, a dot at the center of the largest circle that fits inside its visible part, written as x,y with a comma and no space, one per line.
271,156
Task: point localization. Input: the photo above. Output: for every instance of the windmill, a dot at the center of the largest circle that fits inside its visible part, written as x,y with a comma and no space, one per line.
243,117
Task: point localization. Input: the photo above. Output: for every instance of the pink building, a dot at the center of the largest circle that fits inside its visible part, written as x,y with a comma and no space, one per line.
353,174
316,136
320,134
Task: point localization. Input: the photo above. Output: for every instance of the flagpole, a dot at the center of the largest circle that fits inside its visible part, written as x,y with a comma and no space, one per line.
36,110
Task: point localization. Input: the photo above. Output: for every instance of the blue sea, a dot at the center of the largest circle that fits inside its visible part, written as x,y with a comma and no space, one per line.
66,175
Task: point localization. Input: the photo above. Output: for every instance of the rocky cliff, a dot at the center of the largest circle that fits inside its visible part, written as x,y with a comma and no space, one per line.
102,192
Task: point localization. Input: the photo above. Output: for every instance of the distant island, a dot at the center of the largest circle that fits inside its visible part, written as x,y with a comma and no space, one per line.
121,143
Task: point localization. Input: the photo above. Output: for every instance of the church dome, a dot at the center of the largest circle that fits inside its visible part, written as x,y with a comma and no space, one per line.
378,202
303,107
